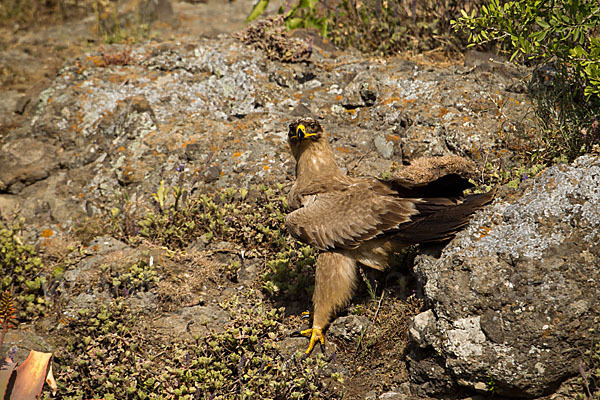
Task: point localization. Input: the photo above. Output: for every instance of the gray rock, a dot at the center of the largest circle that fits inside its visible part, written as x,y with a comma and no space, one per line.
19,342
362,91
212,174
392,396
423,140
24,162
422,328
403,392
348,328
293,347
194,320
372,395
9,104
144,302
428,376
249,270
514,296
106,244
384,147
85,301
491,63
213,114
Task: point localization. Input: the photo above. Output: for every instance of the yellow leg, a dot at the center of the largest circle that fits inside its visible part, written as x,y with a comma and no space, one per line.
316,335
334,283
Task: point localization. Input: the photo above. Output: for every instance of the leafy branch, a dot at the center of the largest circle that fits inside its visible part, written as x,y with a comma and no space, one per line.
566,31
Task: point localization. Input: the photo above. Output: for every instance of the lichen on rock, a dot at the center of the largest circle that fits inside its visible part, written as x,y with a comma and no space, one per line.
516,288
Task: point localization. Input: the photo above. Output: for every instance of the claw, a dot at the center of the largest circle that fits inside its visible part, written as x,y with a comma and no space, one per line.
316,335
305,315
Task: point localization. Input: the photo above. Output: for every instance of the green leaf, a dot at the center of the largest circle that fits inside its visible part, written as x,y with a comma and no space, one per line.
324,28
293,23
257,10
308,4
542,23
514,55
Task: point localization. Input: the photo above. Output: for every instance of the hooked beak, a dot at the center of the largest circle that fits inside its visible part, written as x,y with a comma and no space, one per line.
301,132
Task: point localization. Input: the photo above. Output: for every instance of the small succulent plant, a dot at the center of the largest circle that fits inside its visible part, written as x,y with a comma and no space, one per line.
20,271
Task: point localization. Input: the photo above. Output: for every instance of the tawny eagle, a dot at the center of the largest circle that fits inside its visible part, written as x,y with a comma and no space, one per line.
353,220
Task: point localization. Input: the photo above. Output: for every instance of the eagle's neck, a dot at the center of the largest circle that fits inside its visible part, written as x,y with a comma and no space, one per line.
315,159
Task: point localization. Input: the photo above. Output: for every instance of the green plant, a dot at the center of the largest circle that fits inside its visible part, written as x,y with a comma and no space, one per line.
490,384
20,271
566,30
369,286
496,175
563,39
289,273
114,28
243,361
106,356
97,351
178,219
140,277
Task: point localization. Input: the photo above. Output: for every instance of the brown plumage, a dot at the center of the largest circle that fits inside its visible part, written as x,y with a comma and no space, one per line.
362,220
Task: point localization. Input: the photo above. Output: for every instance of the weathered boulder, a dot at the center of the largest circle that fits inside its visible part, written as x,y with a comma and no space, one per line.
30,161
515,297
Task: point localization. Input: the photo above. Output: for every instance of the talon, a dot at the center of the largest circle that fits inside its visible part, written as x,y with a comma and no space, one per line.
316,335
305,315
306,332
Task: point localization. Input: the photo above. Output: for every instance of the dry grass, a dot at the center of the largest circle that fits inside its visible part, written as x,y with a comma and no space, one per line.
190,282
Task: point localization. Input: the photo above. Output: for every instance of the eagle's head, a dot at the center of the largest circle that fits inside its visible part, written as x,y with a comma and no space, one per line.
304,129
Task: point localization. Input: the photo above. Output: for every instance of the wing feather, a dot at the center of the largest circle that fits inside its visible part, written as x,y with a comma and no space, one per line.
346,218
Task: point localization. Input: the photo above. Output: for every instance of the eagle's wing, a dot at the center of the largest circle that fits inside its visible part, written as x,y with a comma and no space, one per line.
346,218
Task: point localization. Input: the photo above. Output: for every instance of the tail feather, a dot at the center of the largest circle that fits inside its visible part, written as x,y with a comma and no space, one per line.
440,221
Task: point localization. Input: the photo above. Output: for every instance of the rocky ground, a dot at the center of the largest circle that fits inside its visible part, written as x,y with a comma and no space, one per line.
151,178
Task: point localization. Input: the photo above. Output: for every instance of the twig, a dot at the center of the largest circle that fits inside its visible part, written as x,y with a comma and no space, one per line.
371,322
351,171
223,250
585,379
362,335
378,307
4,330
